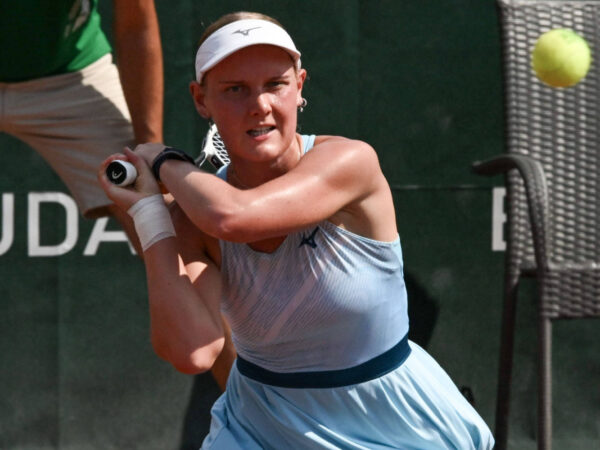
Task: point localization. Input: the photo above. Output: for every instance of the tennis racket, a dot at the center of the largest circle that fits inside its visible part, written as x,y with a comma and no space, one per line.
213,149
123,173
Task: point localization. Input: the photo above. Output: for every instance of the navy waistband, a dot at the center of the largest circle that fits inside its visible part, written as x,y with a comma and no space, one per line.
369,370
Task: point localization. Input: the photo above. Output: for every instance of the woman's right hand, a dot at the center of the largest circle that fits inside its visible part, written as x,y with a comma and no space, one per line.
145,184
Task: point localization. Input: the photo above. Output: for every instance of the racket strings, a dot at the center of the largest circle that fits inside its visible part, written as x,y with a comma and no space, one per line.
213,150
220,148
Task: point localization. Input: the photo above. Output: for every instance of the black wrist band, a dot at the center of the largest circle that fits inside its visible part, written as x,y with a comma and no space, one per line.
166,154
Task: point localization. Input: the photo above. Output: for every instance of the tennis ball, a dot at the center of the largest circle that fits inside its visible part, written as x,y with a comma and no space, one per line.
561,58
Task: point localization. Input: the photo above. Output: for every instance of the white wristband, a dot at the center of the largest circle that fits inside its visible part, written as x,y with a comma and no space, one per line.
152,220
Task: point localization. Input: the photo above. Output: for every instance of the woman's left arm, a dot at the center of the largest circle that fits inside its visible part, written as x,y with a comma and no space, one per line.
338,173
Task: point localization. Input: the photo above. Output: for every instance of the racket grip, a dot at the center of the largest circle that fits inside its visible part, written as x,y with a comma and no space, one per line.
121,173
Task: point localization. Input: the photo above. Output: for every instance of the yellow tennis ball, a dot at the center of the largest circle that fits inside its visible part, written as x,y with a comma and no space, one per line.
561,58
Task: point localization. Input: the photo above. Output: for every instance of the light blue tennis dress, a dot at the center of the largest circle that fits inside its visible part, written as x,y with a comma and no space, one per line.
320,326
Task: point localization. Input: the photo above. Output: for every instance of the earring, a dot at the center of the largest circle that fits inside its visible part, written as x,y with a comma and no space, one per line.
302,105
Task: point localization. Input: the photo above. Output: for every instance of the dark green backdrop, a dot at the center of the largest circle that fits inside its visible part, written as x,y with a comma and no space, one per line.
420,81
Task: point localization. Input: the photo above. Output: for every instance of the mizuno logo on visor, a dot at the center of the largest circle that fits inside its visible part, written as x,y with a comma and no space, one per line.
245,32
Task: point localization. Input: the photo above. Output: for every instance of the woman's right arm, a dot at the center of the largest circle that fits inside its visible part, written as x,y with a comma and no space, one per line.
184,297
183,283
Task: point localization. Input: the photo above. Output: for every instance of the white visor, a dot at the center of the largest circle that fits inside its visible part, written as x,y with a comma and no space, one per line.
240,34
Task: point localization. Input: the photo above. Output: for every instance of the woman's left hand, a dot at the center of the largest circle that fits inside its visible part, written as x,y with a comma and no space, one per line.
148,152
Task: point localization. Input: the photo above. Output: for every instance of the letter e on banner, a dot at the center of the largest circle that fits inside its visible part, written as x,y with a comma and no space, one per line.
498,219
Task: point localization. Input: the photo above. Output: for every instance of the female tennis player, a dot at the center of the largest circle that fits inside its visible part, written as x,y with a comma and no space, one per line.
296,243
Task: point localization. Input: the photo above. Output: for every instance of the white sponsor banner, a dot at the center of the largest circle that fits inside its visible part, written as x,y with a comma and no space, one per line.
35,229
99,233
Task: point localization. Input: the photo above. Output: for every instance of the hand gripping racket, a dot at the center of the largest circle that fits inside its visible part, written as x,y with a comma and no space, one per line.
123,173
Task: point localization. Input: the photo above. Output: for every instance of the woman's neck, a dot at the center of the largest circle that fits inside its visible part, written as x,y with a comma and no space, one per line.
245,174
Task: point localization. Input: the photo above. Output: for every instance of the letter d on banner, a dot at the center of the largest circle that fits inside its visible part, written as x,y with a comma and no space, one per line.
33,224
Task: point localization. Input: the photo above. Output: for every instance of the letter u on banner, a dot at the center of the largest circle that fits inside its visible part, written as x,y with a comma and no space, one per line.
34,248
8,222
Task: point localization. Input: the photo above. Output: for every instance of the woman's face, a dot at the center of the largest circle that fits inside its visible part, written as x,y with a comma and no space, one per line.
253,97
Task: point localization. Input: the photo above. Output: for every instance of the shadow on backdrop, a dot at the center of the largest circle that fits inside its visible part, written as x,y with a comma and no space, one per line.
423,311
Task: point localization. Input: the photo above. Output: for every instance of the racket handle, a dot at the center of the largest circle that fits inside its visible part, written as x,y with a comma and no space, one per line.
121,173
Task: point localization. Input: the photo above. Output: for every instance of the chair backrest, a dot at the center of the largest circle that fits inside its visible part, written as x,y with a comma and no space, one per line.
560,128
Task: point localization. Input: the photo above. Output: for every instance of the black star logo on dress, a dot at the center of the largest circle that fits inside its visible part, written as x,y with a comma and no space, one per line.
310,240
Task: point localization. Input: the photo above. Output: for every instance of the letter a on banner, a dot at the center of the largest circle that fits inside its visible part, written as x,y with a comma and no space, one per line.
101,234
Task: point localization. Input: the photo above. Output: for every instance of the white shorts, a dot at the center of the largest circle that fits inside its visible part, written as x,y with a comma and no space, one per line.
74,121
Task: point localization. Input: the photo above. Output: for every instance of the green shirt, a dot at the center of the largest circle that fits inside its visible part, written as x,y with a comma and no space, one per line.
48,37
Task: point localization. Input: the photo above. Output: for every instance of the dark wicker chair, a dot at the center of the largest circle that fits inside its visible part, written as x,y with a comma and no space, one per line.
553,196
